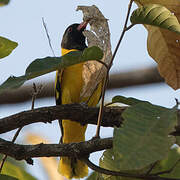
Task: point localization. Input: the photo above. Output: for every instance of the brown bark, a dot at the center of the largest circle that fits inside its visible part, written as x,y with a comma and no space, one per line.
76,112
26,152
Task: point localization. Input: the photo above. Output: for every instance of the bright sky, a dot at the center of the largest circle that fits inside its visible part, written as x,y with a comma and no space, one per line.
21,21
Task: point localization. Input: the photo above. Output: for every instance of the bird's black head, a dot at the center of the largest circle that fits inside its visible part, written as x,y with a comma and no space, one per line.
73,37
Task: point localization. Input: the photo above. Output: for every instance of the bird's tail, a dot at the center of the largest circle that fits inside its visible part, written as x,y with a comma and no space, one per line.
72,168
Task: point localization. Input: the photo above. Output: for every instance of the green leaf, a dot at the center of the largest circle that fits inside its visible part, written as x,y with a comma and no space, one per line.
43,66
6,177
125,100
6,46
17,172
144,137
156,15
92,53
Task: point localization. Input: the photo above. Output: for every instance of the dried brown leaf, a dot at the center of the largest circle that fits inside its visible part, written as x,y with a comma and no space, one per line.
99,35
164,46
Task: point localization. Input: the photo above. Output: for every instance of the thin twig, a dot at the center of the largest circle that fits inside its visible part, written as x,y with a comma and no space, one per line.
47,34
35,92
100,116
129,27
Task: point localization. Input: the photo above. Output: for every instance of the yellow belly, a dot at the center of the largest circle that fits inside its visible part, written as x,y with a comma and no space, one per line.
71,86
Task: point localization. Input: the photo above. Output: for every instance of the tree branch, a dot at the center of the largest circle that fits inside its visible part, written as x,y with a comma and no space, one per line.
75,112
121,80
80,150
26,152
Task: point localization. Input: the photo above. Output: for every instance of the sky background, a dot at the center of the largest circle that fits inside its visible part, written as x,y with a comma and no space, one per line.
21,21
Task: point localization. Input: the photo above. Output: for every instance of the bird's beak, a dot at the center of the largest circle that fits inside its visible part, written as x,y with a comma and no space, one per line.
82,26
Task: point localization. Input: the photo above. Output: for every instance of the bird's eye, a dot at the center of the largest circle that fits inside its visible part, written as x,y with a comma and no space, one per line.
70,29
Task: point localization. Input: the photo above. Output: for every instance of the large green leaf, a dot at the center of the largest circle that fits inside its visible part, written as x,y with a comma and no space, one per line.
6,46
6,177
156,15
45,65
144,137
17,172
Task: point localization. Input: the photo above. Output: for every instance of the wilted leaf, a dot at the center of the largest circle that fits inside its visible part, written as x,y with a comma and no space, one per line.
6,177
45,65
156,15
164,45
125,100
6,46
17,172
144,137
99,35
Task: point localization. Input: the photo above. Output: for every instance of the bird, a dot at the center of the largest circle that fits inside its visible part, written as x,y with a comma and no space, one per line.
68,86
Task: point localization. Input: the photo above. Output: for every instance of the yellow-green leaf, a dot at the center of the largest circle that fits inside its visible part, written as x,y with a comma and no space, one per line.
156,15
43,66
144,137
6,46
17,172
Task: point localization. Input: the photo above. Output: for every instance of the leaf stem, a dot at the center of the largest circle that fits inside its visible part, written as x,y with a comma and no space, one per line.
125,28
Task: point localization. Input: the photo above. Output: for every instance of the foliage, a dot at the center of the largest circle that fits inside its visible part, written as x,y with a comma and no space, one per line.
149,126
143,140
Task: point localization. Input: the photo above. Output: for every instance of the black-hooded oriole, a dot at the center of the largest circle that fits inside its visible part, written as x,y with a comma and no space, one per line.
68,86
